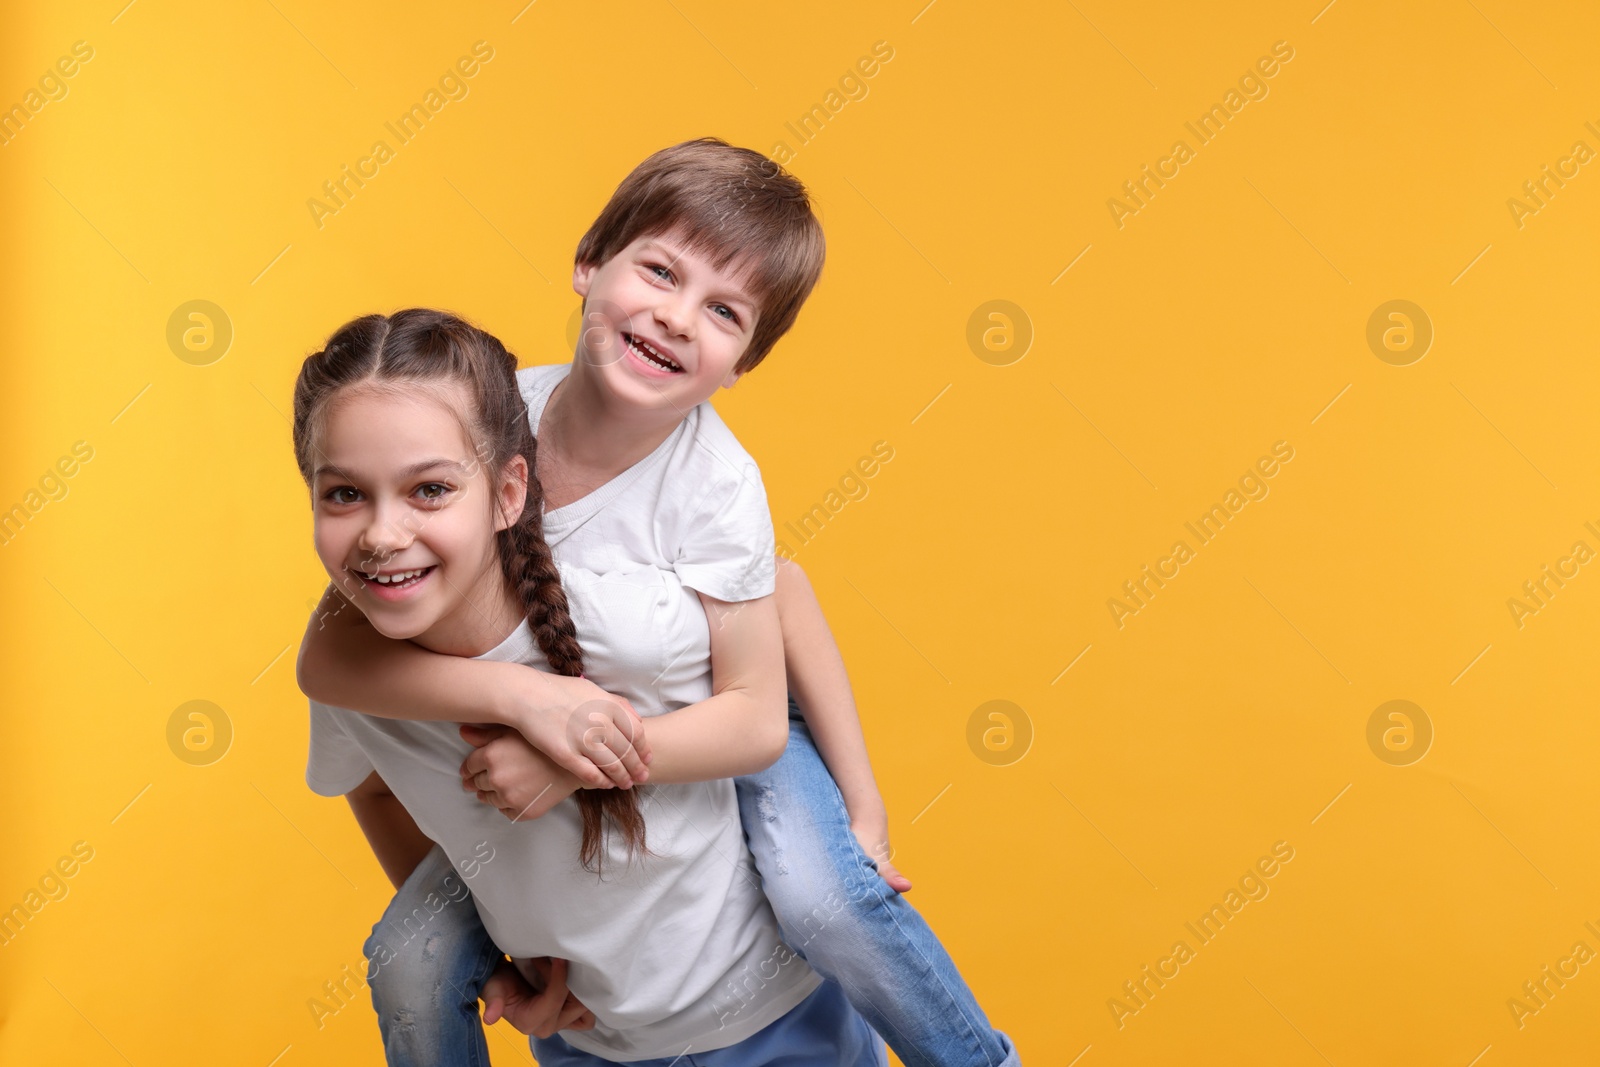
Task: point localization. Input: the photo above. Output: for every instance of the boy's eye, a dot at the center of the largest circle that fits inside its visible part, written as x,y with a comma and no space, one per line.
665,273
732,316
333,494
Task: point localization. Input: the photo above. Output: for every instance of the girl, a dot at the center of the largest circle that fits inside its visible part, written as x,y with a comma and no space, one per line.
413,437
695,267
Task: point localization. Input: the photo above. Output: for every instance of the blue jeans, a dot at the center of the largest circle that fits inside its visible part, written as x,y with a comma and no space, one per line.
832,907
837,912
427,959
820,1031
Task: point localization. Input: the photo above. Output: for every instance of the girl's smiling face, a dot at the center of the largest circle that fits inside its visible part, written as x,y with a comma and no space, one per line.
662,326
405,516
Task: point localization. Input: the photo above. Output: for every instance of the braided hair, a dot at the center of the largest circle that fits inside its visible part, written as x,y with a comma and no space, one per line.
422,347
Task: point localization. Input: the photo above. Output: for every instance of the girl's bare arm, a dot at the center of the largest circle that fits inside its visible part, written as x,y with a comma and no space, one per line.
346,663
392,833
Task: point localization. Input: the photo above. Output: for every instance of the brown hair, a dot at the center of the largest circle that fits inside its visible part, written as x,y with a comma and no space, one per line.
422,347
727,202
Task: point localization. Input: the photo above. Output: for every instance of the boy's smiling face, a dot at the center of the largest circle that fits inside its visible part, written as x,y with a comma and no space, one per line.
662,326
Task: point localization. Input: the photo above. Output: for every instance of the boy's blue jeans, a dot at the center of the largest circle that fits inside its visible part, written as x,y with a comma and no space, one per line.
831,904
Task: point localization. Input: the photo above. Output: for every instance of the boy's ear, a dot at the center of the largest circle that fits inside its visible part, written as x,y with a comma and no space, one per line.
732,379
582,273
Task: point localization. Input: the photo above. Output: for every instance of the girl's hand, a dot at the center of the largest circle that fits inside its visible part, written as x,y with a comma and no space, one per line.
509,774
536,1012
587,731
873,835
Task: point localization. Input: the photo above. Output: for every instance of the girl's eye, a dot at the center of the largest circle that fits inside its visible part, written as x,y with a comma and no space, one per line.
333,494
442,491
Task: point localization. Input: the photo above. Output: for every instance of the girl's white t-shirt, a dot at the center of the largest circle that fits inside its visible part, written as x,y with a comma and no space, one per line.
675,952
672,953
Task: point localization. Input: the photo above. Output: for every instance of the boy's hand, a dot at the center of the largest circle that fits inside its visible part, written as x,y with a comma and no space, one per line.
538,1013
873,834
589,732
510,774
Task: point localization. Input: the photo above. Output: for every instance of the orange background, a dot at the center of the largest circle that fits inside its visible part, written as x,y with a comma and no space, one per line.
1143,768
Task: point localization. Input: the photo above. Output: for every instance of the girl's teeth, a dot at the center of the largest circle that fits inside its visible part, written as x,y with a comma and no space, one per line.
395,579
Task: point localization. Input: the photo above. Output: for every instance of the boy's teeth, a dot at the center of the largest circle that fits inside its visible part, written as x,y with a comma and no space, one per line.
644,349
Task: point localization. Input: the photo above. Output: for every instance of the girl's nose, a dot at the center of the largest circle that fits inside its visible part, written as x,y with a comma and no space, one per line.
386,535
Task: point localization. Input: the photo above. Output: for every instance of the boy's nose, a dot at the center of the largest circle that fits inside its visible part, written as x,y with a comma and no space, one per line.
676,317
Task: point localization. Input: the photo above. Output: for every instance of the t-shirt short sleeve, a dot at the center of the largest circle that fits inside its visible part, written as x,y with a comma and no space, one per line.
336,764
536,384
727,546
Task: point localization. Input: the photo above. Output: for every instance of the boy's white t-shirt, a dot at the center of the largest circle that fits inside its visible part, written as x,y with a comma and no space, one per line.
680,951
695,506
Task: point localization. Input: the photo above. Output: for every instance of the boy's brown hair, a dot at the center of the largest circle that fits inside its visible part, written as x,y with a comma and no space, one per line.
727,203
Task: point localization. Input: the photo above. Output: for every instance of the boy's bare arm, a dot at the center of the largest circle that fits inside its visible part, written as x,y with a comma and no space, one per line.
821,686
346,663
743,727
392,833
738,730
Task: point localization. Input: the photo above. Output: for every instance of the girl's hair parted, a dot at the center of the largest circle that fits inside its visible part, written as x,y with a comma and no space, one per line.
421,347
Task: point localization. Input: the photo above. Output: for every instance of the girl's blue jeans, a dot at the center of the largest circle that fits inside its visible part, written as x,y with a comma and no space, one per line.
820,1031
831,904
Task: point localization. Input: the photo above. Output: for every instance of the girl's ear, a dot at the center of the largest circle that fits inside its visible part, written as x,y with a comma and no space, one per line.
512,492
